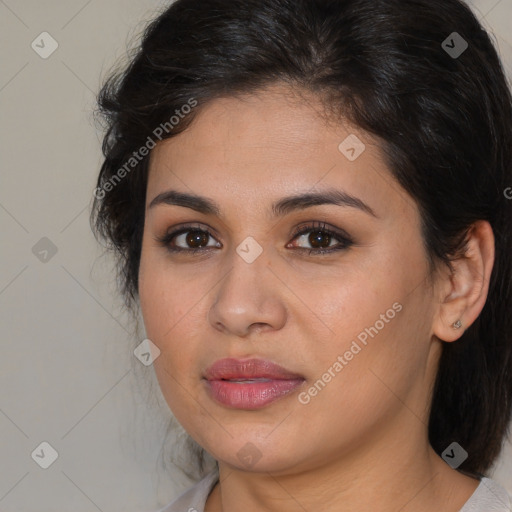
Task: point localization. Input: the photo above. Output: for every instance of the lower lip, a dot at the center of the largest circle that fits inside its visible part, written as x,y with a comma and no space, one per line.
250,395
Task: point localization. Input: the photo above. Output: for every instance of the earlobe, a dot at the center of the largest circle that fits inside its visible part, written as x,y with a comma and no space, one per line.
464,291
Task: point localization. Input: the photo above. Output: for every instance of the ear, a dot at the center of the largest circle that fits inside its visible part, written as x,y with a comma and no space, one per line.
463,293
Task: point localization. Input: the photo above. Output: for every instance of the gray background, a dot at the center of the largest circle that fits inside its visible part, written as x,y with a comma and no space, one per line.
67,371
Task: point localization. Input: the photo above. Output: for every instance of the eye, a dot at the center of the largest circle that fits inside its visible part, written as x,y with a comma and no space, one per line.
194,239
188,239
321,238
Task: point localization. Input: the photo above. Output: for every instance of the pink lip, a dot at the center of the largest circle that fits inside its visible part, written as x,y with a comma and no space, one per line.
267,382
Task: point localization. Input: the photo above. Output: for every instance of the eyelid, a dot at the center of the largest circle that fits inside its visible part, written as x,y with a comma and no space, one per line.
191,226
305,227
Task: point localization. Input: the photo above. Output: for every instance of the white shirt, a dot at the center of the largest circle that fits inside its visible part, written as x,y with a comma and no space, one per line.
489,496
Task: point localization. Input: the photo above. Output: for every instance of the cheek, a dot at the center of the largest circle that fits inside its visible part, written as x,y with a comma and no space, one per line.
166,314
372,320
165,297
173,316
382,363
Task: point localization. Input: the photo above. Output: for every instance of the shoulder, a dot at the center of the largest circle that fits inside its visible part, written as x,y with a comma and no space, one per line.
194,499
489,496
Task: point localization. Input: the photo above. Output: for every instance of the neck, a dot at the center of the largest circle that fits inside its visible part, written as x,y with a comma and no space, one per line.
403,474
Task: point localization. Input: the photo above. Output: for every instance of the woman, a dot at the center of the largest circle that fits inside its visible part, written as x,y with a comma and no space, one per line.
308,199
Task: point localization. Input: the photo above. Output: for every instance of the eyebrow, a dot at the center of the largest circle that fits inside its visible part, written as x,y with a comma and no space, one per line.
279,208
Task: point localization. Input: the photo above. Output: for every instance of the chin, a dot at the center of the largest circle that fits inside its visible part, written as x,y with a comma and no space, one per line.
247,453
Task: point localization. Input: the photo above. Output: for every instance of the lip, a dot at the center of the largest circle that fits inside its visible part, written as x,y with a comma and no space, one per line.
249,383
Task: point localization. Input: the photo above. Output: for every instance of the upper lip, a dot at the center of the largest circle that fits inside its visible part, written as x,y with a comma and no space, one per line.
230,369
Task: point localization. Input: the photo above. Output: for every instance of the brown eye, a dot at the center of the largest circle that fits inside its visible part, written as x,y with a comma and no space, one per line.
197,238
321,239
188,239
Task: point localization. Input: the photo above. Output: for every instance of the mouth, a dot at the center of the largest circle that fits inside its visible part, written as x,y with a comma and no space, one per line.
244,381
249,384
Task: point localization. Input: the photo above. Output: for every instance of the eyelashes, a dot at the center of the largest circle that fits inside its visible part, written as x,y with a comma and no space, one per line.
319,233
317,228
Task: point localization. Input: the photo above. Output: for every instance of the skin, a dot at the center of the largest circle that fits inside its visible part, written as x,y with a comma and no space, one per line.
361,443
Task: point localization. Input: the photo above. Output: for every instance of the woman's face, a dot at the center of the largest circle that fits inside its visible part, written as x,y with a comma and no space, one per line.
351,327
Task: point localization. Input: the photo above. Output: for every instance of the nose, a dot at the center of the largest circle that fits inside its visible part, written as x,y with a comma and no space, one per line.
248,299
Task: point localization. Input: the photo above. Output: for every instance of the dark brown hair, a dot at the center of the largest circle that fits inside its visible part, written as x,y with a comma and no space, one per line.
394,68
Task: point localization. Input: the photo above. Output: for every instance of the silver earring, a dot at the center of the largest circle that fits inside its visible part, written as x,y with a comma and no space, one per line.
457,324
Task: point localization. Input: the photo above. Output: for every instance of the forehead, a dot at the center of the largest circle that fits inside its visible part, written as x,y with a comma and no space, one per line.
257,148
276,119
